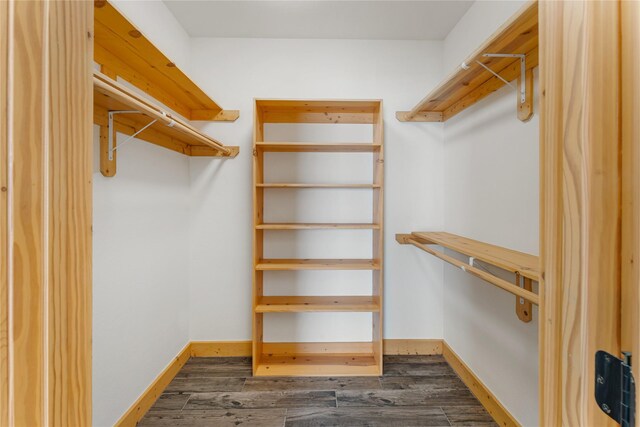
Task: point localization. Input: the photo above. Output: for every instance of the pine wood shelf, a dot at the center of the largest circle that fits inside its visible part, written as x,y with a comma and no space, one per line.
308,359
317,226
471,82
122,49
300,147
317,264
310,365
313,185
168,131
301,304
524,266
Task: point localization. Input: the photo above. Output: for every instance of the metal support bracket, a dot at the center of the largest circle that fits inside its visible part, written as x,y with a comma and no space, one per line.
523,70
111,114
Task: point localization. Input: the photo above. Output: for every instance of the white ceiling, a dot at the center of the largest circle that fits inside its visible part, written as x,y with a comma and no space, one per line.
319,19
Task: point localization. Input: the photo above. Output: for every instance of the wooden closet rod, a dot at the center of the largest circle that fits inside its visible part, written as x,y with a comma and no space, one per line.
117,92
496,281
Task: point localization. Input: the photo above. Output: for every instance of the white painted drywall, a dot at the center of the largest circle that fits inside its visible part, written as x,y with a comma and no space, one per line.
234,71
140,276
140,251
491,194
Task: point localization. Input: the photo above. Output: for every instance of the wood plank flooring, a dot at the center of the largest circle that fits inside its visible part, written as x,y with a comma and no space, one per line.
220,391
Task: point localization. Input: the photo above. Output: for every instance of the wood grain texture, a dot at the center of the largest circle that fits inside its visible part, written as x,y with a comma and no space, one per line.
299,304
369,417
218,418
4,215
490,402
120,46
260,399
318,264
580,230
149,397
109,95
503,258
220,348
46,203
412,346
470,83
409,400
301,147
630,35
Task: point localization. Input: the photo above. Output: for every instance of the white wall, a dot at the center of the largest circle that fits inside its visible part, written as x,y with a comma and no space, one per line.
491,183
140,251
234,71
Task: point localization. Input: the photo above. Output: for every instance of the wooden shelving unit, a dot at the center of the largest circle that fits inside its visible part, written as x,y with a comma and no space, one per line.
471,82
333,358
524,266
123,51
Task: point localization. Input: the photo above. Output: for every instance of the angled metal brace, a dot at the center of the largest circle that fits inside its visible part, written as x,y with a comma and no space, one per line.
523,70
111,130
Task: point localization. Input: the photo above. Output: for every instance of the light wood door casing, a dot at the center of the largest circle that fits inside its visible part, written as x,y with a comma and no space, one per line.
580,200
45,202
630,90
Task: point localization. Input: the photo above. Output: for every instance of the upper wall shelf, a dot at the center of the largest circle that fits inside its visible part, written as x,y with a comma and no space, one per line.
510,53
132,114
318,111
122,50
524,266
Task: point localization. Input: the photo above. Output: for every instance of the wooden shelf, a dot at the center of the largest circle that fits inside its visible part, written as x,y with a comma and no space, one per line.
506,259
466,86
319,111
523,265
317,264
312,185
309,365
168,131
317,226
122,50
302,358
301,304
298,147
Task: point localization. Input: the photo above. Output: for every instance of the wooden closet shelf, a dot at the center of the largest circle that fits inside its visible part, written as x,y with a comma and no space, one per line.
299,147
318,264
471,82
313,185
506,259
521,264
300,304
319,111
167,131
122,49
325,364
317,226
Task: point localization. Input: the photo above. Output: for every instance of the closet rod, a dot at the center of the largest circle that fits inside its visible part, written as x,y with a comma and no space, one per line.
496,281
112,87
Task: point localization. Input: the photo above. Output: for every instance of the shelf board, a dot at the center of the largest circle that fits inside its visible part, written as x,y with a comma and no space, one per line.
125,51
465,87
317,226
313,185
318,264
325,364
308,147
109,95
318,111
303,304
506,259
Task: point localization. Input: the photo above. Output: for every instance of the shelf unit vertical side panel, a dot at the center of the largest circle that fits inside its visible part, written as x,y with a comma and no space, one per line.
258,236
378,235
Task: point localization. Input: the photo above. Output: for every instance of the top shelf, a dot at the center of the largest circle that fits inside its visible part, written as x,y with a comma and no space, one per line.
507,259
122,50
471,82
318,111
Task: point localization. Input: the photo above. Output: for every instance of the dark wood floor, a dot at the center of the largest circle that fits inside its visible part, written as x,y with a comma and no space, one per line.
414,391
